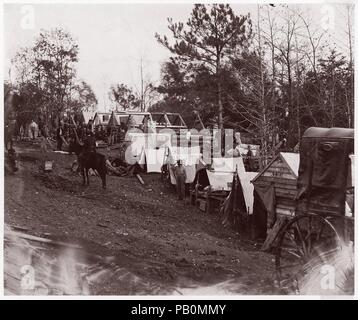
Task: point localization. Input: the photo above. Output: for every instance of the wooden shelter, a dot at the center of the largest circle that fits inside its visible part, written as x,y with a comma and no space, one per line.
281,174
86,116
138,120
175,121
101,118
117,118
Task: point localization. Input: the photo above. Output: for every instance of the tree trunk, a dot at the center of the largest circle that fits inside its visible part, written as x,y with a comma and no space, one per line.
351,68
264,133
220,104
292,120
221,123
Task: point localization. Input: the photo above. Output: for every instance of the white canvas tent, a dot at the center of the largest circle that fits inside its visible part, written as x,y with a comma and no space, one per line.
101,118
154,159
117,118
228,165
243,148
148,140
86,116
293,161
221,175
147,149
190,157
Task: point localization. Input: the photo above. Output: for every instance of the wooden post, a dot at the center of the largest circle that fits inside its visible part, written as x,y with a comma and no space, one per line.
196,193
208,208
140,179
273,233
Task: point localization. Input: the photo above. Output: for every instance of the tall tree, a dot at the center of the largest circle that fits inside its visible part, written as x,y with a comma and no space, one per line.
84,97
350,91
147,95
124,97
46,74
81,98
56,53
187,90
210,35
327,108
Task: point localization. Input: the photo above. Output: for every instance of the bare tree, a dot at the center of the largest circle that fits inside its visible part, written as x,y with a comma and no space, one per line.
284,49
350,93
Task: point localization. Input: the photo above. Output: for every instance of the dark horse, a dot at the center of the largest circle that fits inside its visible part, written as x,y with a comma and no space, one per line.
89,160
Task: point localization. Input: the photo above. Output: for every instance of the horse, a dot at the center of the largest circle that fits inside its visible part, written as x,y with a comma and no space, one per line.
89,160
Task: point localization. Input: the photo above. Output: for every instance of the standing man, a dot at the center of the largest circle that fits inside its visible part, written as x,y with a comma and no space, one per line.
238,138
9,131
59,136
45,142
33,129
235,151
250,160
180,177
89,142
90,125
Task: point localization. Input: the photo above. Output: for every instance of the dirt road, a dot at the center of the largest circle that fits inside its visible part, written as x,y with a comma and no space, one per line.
133,239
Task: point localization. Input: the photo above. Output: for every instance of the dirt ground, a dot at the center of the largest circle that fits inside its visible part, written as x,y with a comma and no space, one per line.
139,238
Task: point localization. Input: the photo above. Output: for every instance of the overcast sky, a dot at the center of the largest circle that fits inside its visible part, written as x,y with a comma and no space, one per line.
112,37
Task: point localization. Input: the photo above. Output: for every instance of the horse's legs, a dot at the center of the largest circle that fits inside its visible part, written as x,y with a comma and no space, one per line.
80,167
87,176
103,177
83,171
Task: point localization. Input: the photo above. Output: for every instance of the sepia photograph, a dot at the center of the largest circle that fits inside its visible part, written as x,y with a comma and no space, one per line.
178,149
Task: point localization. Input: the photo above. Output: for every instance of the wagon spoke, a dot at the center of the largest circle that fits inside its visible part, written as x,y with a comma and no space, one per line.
309,233
290,235
291,265
310,229
301,237
298,254
291,246
319,234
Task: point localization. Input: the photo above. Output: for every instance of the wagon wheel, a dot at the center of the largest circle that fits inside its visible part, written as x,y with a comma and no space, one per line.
303,239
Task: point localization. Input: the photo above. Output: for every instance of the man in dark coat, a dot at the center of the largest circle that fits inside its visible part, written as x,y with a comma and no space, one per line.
89,142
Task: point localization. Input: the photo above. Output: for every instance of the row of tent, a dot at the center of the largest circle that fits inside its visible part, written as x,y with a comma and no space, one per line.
155,151
275,187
